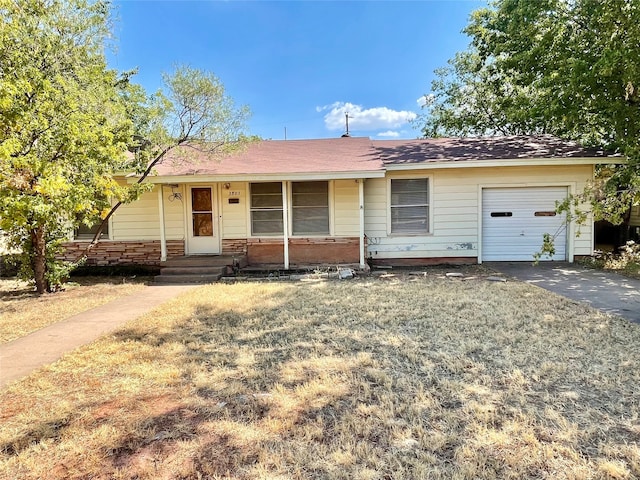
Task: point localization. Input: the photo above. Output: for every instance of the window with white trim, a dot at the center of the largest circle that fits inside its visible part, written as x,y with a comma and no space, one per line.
266,208
310,208
409,205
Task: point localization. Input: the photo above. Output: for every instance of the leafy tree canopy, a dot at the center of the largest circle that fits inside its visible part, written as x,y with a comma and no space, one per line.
570,68
67,121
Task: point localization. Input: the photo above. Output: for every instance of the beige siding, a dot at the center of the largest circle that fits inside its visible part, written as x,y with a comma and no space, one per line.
375,207
634,219
174,213
346,211
235,215
455,198
140,220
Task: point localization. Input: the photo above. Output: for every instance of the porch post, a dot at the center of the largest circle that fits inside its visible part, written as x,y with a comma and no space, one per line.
285,225
163,237
361,208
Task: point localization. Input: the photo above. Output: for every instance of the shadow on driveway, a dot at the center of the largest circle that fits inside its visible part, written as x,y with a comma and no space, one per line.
606,291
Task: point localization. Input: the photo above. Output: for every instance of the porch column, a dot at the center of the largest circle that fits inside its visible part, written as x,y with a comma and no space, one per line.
285,225
163,237
361,208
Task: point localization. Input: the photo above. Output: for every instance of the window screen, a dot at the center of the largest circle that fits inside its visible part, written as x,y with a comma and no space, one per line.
410,205
310,208
266,208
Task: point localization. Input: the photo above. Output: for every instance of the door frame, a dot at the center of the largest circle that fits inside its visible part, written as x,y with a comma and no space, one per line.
215,246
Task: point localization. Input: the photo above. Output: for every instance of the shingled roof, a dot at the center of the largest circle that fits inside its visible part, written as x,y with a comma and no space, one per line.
360,155
394,152
332,155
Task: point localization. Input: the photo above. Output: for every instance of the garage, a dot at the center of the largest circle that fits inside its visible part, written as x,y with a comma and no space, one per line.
514,221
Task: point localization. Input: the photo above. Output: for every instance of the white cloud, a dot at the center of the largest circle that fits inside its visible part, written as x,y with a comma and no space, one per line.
364,118
389,133
426,100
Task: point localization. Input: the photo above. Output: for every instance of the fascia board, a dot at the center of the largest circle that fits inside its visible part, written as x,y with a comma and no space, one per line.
270,177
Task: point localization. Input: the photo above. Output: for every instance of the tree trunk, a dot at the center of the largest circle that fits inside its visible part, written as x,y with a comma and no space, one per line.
39,259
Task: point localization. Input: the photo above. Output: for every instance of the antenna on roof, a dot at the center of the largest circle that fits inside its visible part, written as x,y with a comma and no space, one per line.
346,118
285,133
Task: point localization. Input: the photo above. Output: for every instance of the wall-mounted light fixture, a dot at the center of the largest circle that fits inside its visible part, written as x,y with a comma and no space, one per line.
226,186
174,195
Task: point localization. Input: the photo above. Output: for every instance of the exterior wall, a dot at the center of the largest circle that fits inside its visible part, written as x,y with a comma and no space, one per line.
455,208
634,216
235,216
346,210
455,197
135,230
236,246
304,251
140,220
108,252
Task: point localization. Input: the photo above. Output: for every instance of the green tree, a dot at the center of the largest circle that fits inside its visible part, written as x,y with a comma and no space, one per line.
567,68
63,125
192,113
68,124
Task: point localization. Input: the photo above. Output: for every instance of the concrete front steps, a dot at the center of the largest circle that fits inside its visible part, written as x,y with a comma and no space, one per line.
196,269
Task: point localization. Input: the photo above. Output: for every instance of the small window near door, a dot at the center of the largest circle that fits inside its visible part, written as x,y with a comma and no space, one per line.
545,214
266,209
310,208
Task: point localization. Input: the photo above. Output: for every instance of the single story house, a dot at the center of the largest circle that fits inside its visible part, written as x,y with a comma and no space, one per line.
353,200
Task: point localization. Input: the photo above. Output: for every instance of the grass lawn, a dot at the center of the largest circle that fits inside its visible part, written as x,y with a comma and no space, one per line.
22,311
389,378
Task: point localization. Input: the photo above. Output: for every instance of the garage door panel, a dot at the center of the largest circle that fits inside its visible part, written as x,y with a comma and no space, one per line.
514,221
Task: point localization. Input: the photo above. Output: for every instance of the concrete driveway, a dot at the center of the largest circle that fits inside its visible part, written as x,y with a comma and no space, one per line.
606,291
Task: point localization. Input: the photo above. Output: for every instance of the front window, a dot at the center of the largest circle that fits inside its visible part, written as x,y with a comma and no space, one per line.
310,208
410,205
266,208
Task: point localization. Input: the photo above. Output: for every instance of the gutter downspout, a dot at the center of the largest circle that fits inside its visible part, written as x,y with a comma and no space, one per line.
163,236
285,225
361,208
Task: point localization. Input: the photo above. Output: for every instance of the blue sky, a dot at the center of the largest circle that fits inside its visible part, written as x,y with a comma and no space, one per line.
299,65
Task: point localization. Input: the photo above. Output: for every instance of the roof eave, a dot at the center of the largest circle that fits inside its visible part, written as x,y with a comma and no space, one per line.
512,162
262,177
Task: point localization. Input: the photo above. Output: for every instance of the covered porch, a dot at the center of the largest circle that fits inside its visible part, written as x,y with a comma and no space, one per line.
284,224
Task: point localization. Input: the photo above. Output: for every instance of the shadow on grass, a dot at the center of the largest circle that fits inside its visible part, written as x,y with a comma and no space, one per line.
371,380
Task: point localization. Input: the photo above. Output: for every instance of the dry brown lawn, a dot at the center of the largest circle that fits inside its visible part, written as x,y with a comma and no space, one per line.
379,378
22,311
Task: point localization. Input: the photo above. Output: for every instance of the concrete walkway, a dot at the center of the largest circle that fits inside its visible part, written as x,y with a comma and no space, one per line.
20,357
606,291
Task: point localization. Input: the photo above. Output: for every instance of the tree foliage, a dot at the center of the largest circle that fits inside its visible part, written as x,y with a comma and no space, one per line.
63,127
570,68
68,124
192,113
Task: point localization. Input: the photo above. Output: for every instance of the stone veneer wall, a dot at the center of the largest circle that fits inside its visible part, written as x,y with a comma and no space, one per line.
123,252
234,246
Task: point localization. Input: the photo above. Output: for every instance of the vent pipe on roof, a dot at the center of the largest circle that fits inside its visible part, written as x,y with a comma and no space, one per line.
346,118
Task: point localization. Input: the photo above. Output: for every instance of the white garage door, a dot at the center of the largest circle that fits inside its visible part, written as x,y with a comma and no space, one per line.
514,221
